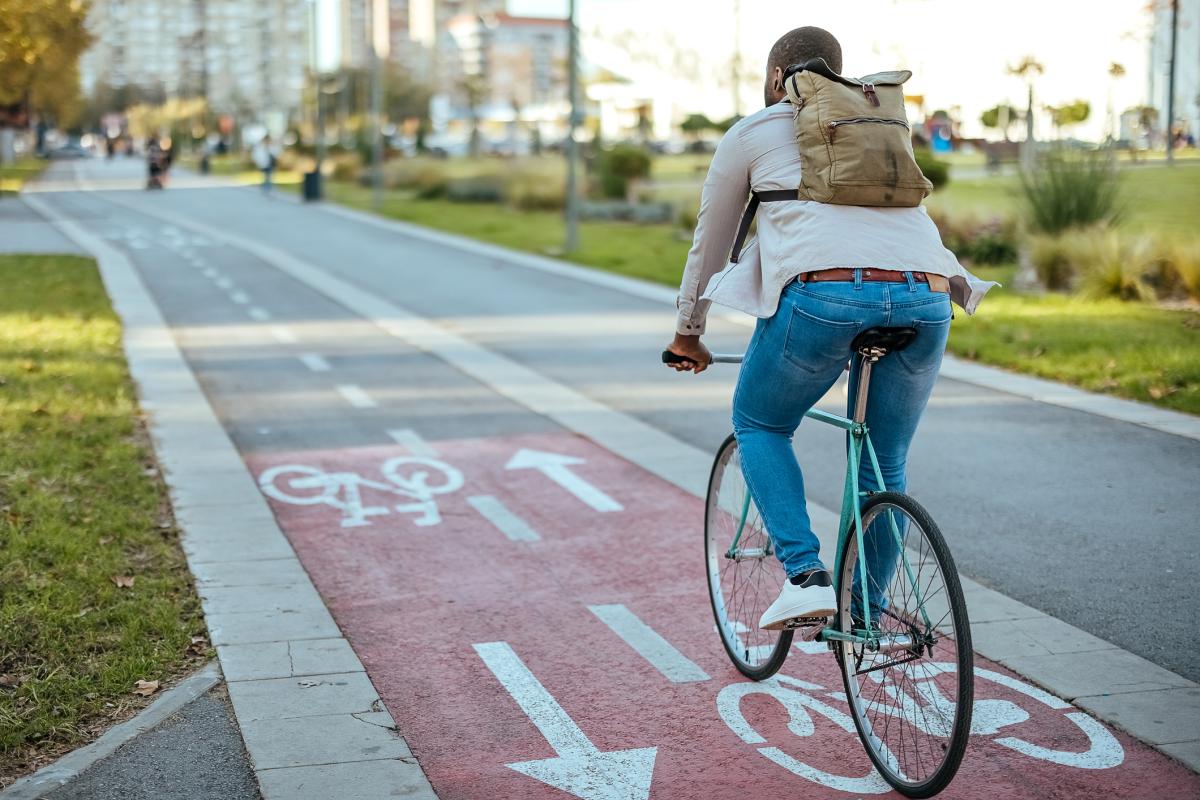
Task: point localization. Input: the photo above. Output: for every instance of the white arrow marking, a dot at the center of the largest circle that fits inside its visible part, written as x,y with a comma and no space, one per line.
646,641
580,768
555,468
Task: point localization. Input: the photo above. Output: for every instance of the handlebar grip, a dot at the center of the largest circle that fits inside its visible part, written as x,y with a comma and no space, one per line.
671,358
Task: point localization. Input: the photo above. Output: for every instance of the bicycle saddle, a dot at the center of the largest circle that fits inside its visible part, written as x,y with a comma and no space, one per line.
889,340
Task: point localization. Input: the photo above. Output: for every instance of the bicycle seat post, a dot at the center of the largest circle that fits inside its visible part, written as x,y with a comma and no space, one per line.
869,356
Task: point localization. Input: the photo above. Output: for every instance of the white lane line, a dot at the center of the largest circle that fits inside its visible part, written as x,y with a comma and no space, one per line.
224,283
283,334
355,396
241,298
495,512
314,362
260,314
662,655
210,272
412,440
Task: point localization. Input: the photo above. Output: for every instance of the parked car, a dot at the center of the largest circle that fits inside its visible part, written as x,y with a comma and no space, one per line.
68,151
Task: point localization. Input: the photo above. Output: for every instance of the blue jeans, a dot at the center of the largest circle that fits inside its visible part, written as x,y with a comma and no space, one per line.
792,361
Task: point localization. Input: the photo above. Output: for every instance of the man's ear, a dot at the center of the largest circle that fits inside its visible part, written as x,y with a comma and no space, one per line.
777,80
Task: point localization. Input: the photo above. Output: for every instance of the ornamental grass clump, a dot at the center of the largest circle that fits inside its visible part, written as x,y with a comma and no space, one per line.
1071,190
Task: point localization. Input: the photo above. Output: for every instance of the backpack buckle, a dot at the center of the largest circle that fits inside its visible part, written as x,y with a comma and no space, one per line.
869,91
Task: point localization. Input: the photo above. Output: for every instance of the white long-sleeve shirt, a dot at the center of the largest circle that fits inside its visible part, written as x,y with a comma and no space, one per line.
795,236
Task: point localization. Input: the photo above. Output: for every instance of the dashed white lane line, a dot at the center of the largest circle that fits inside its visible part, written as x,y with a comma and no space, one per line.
209,272
647,643
260,314
283,334
314,362
224,283
413,442
241,298
355,396
508,523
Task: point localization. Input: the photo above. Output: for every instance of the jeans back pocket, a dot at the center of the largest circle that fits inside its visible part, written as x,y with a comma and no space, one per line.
817,344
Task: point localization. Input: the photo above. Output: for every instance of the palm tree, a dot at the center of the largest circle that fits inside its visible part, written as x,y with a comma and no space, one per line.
1027,69
1115,72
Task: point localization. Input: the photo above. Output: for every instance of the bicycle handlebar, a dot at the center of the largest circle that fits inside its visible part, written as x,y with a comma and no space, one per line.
717,358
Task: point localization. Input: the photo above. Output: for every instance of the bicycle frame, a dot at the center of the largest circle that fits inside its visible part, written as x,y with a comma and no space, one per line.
859,439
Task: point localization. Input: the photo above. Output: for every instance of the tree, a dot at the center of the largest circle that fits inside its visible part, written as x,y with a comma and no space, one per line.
696,124
1069,114
476,88
1027,69
40,45
1000,117
1115,73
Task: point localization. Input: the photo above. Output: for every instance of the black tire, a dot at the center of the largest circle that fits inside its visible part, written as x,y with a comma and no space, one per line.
921,638
762,660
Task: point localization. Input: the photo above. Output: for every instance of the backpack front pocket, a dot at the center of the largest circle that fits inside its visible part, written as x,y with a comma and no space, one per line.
873,156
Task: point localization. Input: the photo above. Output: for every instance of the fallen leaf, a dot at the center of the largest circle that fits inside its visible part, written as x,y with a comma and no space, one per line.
1112,364
123,581
308,684
105,540
74,417
84,613
8,681
199,646
146,688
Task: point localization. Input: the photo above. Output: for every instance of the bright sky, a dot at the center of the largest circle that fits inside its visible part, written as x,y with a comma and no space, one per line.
958,56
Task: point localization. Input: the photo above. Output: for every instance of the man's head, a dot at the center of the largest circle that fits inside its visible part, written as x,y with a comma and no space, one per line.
796,47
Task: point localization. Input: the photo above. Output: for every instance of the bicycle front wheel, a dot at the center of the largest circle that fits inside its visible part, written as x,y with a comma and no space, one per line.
911,687
743,573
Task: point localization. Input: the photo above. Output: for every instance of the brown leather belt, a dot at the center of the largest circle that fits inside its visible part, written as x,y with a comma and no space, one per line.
937,283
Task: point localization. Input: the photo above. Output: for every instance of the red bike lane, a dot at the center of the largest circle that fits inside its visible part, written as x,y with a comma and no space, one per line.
534,615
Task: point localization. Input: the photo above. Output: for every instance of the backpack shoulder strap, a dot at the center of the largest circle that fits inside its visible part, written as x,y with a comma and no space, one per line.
768,196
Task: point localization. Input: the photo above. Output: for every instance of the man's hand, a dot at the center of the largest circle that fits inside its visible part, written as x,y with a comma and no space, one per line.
690,347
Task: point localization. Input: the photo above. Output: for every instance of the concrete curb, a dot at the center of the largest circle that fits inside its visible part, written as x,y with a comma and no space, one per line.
288,725
1123,689
49,778
958,369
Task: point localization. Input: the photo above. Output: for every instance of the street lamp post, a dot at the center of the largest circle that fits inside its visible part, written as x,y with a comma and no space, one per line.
381,45
1171,83
572,239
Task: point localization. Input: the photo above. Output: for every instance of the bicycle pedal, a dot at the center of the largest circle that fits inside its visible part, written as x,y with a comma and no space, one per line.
806,622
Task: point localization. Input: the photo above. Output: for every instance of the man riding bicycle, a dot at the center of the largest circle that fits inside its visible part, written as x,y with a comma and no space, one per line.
818,274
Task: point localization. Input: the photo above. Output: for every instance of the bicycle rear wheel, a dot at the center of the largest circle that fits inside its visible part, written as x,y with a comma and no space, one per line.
910,696
743,578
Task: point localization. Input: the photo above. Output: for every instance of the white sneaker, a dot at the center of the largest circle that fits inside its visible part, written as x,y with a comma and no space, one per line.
812,598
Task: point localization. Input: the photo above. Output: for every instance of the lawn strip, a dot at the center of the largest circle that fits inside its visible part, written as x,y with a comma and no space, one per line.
82,508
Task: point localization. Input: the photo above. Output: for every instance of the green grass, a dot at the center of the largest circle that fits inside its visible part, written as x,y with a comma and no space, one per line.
80,503
14,176
1155,199
1130,350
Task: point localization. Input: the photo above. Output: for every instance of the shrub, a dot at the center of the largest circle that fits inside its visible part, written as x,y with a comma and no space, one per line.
1114,264
475,190
346,167
1054,259
1071,191
618,166
935,169
534,193
426,178
990,241
687,218
1183,262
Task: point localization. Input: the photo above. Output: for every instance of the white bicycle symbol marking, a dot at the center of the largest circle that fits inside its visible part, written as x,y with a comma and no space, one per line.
990,717
416,478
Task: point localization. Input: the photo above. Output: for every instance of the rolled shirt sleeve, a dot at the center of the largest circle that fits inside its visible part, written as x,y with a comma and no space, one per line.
722,202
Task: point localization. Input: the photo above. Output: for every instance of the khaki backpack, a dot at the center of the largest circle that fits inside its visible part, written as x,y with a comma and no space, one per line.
854,139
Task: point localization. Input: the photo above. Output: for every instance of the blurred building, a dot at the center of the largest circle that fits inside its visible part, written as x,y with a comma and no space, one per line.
1187,65
245,56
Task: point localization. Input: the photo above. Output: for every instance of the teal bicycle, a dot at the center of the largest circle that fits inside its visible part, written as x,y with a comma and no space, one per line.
901,636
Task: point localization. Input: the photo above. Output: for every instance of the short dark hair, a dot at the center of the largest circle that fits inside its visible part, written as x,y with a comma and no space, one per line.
799,45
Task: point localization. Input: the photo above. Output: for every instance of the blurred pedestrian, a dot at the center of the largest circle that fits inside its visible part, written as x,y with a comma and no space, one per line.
265,156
